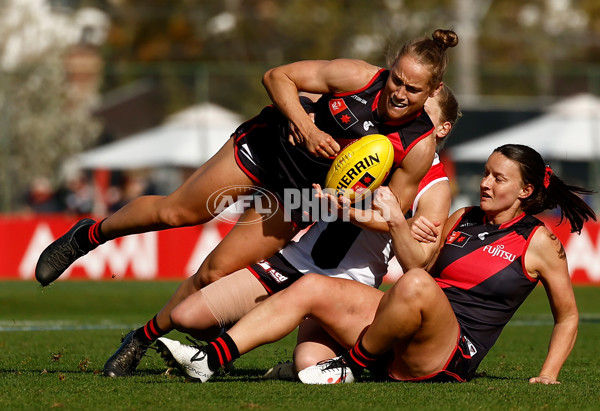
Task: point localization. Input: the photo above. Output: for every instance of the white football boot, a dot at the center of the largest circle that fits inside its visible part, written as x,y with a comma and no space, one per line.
191,360
334,371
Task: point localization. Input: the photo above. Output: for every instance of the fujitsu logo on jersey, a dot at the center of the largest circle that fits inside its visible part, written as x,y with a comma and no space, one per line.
276,275
498,251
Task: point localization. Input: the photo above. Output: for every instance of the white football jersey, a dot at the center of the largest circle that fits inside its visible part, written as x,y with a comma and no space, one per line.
364,255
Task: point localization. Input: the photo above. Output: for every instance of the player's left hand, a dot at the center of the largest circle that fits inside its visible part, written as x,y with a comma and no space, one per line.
339,204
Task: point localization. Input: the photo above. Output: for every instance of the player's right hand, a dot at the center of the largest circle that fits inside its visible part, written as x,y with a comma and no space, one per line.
424,230
320,144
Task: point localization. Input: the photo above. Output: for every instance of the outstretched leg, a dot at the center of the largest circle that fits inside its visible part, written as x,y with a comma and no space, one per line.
188,205
343,307
246,244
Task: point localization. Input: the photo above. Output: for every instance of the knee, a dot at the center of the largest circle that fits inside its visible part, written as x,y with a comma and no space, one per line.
306,355
175,215
309,287
181,319
171,217
304,359
414,285
209,272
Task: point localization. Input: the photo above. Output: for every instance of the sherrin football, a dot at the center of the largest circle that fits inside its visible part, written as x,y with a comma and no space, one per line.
361,167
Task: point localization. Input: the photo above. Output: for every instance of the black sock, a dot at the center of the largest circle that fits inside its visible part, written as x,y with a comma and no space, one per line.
358,358
91,238
149,332
221,351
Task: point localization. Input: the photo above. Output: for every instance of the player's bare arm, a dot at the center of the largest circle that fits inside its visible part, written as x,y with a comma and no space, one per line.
546,259
406,178
315,76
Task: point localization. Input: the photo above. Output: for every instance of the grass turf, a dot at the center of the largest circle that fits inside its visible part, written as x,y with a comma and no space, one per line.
54,343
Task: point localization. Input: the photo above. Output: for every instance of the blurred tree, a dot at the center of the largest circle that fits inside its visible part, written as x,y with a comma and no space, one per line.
42,120
220,49
549,44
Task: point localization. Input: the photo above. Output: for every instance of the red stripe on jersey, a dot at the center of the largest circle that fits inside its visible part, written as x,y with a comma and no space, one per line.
435,172
349,93
260,280
467,272
399,151
513,221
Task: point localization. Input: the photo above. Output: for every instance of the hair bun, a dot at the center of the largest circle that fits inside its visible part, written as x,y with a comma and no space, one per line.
445,38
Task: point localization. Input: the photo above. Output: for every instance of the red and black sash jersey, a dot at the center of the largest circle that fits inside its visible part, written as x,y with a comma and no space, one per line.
351,115
480,269
263,151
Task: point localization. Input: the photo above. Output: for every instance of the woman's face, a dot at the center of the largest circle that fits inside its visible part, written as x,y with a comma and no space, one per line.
501,187
406,89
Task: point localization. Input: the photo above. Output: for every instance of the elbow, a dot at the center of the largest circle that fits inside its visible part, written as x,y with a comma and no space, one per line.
268,78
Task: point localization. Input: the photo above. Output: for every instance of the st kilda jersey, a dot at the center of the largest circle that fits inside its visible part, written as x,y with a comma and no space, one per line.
481,270
263,151
343,250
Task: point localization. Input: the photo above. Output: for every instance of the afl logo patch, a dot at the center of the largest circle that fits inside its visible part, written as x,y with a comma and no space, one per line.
458,239
342,114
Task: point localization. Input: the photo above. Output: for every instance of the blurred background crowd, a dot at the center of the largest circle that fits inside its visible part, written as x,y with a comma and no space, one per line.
97,96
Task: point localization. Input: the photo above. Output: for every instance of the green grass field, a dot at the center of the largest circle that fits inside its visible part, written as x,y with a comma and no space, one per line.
54,343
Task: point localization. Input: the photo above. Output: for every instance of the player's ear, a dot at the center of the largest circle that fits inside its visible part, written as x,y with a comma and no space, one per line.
445,128
436,90
526,191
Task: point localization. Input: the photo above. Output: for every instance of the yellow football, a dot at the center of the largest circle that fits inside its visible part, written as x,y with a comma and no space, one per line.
361,167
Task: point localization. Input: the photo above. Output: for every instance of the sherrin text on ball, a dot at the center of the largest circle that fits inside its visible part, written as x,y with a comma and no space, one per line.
361,167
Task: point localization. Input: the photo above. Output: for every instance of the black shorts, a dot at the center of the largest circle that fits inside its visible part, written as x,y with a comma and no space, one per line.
275,273
457,369
263,152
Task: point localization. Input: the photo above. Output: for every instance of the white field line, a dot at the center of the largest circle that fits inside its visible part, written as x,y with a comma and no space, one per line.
66,325
62,325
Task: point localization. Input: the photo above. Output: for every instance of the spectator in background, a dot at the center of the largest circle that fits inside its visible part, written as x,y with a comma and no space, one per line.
41,198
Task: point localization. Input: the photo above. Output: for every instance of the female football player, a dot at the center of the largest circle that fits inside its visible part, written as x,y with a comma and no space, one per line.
358,99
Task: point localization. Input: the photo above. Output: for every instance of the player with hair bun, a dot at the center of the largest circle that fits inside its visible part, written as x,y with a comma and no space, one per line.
358,99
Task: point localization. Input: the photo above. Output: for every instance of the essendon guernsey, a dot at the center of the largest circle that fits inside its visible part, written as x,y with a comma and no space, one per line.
487,260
